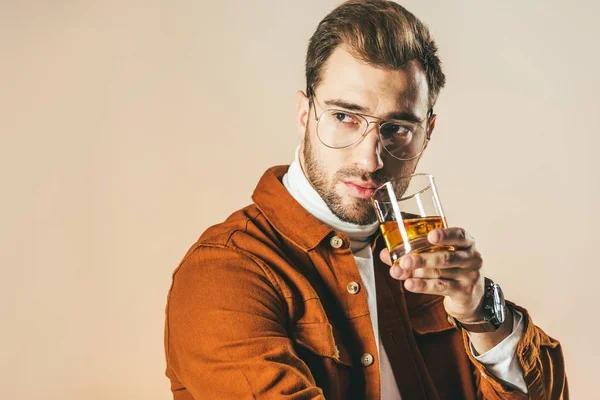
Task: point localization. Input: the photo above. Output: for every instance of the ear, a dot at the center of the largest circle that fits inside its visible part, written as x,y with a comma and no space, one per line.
430,128
302,113
431,125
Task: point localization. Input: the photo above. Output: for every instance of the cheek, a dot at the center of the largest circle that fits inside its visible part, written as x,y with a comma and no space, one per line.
333,167
396,169
325,160
334,160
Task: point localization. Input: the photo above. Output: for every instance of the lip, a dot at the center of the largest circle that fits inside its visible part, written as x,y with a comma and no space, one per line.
364,192
366,185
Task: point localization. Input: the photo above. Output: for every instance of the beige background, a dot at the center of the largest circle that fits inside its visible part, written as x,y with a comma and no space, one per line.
128,127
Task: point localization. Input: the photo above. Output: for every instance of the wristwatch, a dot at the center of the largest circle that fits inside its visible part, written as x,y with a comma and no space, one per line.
494,311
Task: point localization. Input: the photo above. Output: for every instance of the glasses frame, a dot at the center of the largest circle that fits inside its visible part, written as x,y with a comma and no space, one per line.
379,121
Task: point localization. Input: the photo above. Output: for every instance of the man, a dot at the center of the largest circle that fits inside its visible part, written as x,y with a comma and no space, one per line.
295,296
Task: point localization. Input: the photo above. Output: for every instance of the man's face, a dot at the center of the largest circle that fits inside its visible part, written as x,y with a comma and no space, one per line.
345,177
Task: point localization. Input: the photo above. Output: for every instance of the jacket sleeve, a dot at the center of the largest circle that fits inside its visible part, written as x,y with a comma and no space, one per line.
502,361
541,360
225,335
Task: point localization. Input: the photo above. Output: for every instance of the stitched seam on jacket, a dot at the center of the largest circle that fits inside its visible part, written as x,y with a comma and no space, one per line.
425,305
249,257
256,261
267,271
167,313
245,230
270,277
273,275
305,248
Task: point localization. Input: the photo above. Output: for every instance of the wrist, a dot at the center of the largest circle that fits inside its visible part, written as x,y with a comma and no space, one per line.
484,341
493,308
475,315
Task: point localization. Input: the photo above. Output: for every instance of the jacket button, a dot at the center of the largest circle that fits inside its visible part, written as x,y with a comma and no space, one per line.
366,359
353,288
336,242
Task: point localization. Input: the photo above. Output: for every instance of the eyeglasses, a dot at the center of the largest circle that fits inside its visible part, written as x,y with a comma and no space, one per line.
338,129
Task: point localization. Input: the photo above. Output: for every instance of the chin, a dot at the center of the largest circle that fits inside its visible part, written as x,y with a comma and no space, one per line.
357,211
349,208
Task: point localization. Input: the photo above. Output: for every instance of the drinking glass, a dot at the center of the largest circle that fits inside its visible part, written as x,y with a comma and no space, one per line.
408,209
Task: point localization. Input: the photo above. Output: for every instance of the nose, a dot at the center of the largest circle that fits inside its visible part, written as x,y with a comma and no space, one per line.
368,150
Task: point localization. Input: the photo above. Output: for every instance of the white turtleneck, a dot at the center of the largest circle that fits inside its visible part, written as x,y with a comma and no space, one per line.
501,360
296,183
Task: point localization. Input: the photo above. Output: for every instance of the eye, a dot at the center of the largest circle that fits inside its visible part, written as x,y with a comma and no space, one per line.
395,131
344,118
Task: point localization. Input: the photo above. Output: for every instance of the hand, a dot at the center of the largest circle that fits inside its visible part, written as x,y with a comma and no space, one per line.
454,274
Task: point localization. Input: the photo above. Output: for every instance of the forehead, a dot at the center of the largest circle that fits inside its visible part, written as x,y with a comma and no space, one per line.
380,89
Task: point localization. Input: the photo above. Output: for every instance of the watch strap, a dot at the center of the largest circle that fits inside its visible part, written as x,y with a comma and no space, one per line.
475,327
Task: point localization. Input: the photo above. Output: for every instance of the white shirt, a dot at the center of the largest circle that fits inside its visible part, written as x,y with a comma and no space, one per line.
501,361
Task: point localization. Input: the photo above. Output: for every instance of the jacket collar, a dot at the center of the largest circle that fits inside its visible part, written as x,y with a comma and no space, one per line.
285,214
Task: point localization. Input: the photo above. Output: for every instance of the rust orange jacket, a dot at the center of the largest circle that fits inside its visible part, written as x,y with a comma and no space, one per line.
260,308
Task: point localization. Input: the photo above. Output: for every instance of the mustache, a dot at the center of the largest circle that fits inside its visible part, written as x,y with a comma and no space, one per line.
377,177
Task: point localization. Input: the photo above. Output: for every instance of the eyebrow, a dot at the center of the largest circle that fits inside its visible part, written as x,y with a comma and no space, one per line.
401,115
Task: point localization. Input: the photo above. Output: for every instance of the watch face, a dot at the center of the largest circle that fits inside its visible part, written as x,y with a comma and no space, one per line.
499,306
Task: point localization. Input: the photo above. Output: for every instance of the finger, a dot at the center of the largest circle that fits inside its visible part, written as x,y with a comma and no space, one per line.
399,273
438,259
451,237
456,274
384,255
395,271
442,287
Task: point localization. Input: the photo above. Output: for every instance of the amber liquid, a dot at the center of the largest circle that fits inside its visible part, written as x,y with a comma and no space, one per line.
416,230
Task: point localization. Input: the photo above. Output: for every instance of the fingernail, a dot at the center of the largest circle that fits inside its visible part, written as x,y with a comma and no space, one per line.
435,236
396,271
407,262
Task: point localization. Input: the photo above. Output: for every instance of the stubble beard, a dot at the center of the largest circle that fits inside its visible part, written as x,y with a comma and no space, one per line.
360,211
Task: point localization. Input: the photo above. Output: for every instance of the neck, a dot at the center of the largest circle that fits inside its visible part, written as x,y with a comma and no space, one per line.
304,193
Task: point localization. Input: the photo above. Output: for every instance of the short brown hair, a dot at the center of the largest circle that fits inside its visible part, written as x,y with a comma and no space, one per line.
379,32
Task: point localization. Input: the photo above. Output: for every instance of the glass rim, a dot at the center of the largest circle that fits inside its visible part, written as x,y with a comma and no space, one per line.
431,179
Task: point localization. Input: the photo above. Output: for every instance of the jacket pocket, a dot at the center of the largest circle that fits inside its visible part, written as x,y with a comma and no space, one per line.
319,338
430,318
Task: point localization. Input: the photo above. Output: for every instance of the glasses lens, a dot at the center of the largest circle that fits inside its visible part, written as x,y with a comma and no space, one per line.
402,140
340,128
